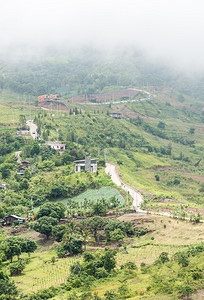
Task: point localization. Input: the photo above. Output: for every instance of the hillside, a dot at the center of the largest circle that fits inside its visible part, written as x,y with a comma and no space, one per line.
82,238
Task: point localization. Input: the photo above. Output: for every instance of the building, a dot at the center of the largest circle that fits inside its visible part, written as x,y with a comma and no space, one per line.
23,132
87,164
56,145
21,170
12,218
2,186
115,115
48,98
25,164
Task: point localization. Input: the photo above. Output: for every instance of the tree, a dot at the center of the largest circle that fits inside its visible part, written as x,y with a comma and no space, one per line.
192,130
29,246
108,259
45,225
2,212
157,177
85,235
5,172
24,184
12,248
59,231
116,236
161,125
52,210
35,149
72,243
99,208
7,289
182,258
22,119
201,189
163,257
95,224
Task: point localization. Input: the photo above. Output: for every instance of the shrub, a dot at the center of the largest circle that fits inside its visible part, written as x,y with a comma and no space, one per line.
163,257
17,267
129,265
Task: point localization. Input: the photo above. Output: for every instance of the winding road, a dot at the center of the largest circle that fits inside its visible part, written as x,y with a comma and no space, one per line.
150,97
136,196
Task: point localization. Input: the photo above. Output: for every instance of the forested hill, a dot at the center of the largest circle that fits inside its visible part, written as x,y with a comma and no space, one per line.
89,71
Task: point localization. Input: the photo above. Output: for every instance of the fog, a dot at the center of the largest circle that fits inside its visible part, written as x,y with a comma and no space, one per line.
171,31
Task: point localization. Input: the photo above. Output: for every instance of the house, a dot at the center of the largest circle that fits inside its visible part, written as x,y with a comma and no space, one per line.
48,98
23,132
56,145
25,164
21,170
86,164
115,115
12,218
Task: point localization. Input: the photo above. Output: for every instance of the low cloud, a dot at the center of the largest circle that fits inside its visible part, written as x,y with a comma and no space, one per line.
171,31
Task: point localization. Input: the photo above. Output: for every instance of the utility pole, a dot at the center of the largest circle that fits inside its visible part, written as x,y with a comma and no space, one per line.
29,107
13,115
57,134
31,197
77,142
180,205
105,154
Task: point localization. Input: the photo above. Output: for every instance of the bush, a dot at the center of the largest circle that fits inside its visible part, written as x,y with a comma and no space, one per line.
129,265
163,257
17,267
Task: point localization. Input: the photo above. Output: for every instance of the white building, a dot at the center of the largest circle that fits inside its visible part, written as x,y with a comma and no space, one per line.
56,145
87,164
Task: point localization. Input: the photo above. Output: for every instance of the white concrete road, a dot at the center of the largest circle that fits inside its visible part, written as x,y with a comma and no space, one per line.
18,154
33,128
136,196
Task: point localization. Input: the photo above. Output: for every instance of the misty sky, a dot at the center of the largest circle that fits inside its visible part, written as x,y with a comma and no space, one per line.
172,30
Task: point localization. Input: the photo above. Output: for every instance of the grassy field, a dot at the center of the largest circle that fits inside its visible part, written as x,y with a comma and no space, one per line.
97,194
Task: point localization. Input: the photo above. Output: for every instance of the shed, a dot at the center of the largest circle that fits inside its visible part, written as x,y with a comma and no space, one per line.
115,115
12,218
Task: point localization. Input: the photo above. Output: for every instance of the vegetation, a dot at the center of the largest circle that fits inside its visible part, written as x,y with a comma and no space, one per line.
80,240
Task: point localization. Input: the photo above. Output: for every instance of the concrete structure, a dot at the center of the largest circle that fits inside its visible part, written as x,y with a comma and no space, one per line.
115,115
87,164
12,218
56,145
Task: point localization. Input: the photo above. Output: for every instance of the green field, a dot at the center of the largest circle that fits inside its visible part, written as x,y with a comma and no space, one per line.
97,194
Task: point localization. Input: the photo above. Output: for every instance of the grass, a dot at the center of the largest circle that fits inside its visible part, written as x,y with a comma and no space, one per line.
40,273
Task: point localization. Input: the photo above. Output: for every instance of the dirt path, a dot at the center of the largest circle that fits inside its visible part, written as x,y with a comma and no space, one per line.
33,129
